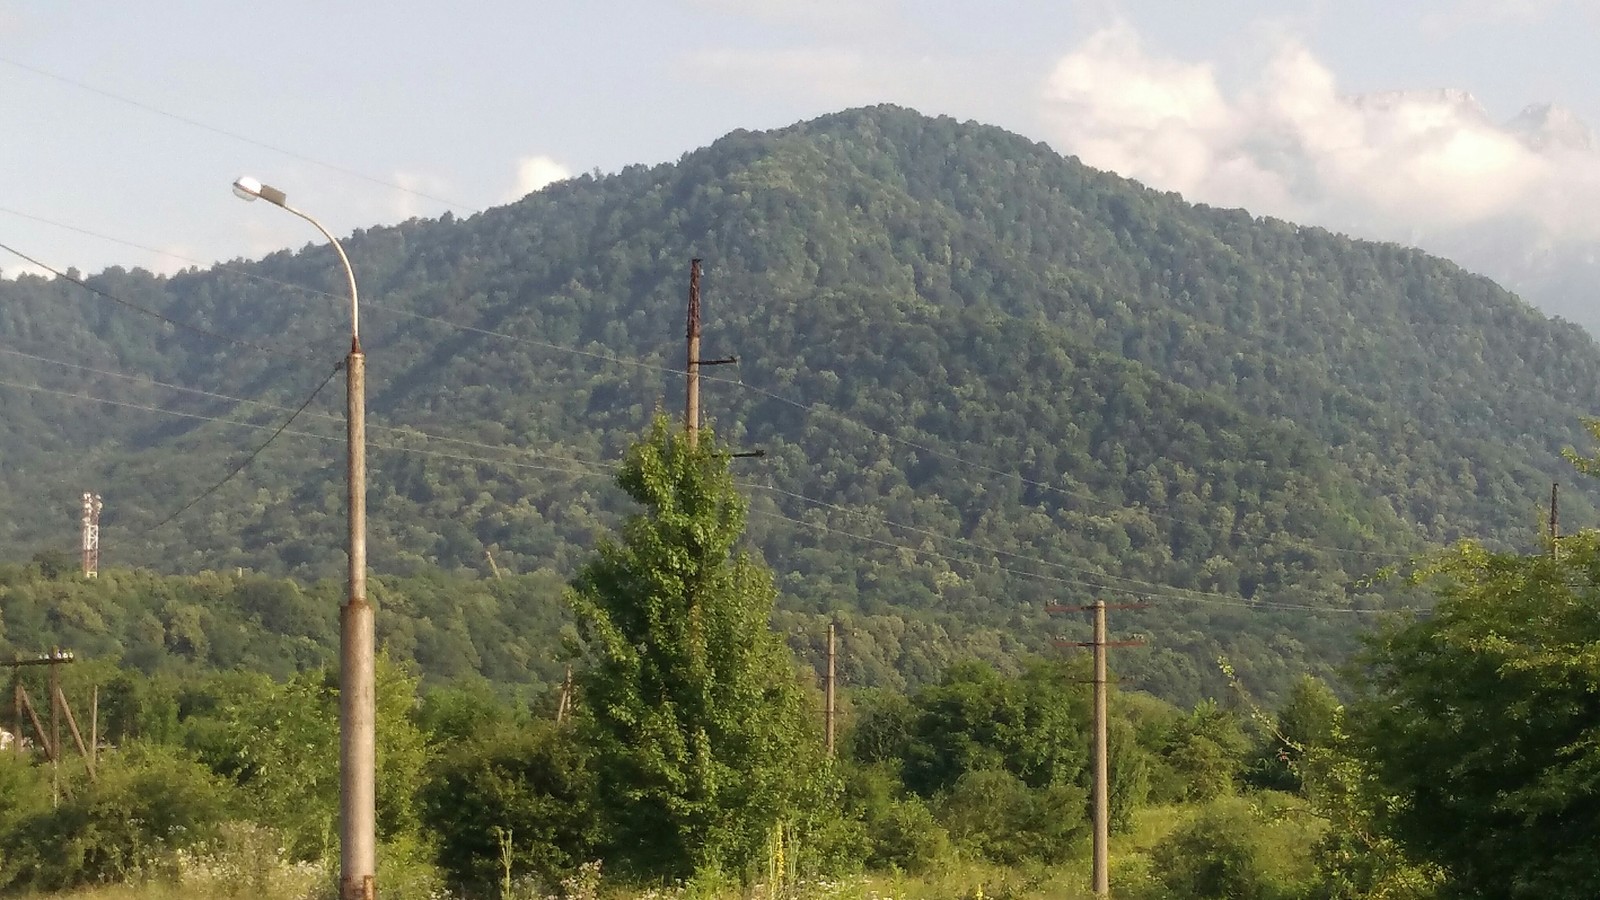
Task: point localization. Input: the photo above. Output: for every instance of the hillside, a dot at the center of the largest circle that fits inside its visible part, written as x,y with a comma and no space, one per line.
986,378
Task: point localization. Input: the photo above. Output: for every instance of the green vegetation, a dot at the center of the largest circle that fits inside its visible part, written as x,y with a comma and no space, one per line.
1140,389
693,764
987,379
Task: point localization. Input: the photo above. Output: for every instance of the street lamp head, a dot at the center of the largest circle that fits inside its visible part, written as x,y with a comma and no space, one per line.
247,188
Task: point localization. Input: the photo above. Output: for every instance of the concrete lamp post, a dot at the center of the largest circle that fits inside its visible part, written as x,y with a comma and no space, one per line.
357,680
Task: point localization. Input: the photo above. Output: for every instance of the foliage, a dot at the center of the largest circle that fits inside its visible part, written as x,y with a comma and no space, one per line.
898,832
1239,849
1206,749
692,708
994,815
513,797
1138,387
1478,723
143,805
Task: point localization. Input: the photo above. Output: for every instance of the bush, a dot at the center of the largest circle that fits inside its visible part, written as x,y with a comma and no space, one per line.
994,815
520,796
146,803
1236,849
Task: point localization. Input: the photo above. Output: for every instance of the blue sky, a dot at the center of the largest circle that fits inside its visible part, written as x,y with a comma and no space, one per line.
115,110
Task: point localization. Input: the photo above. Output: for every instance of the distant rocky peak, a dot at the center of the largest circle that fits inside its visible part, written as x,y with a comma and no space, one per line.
1546,126
1462,101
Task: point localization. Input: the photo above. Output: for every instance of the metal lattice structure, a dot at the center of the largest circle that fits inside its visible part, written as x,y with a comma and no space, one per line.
91,534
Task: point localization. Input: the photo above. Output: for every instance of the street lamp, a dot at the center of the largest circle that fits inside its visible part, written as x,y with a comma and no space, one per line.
357,683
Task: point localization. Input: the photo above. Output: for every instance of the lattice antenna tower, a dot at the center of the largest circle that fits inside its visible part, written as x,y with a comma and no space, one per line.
91,534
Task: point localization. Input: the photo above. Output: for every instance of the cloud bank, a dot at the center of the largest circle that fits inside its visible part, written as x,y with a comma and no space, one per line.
1291,144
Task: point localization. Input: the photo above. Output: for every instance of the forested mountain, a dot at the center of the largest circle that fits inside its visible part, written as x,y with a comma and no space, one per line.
985,376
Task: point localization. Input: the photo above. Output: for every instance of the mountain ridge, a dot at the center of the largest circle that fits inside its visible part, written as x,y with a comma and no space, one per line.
1149,395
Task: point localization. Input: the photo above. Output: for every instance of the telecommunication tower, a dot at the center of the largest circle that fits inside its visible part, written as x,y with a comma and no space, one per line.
91,534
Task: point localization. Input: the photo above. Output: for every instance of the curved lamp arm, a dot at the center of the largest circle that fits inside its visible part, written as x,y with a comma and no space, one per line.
250,189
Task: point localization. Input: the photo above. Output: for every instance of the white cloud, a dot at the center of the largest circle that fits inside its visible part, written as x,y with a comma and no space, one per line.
14,271
534,173
1290,144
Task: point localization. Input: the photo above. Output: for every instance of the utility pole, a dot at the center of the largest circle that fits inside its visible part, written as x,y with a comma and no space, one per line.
55,726
828,690
693,362
94,730
564,705
691,414
90,544
1555,520
1101,800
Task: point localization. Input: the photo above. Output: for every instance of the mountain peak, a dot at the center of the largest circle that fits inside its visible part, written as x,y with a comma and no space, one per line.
1461,101
1545,126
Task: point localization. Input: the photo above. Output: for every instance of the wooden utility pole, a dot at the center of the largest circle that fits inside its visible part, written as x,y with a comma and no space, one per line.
16,712
1101,799
828,690
94,730
691,413
693,362
564,705
50,738
1555,519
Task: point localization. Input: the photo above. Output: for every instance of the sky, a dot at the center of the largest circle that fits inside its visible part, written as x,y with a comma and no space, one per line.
126,123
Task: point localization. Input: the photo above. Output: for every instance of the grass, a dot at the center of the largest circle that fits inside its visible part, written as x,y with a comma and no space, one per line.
1130,870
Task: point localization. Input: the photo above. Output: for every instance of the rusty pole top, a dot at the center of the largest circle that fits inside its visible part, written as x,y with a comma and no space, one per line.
694,299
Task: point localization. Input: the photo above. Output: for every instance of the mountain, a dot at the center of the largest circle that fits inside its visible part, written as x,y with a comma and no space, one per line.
1537,241
986,378
1545,126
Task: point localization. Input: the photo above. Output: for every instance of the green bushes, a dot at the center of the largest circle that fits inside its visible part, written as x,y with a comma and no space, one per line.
1240,849
514,801
993,815
144,804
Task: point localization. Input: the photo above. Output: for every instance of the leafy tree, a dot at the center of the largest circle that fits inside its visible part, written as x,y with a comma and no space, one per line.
1308,721
518,794
1239,849
145,803
994,815
1207,751
1479,723
1034,726
699,730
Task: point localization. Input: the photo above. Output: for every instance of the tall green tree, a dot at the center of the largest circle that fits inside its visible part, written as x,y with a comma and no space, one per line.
700,733
1481,723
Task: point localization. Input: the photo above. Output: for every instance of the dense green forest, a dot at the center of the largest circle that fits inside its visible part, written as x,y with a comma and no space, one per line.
986,378
690,762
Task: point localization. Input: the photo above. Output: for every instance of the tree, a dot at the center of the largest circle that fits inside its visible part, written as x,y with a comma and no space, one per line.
700,733
1479,723
510,794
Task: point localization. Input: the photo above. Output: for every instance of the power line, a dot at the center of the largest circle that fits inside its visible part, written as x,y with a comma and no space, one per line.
1150,589
150,312
1167,592
399,430
254,453
1140,583
195,123
815,408
315,436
